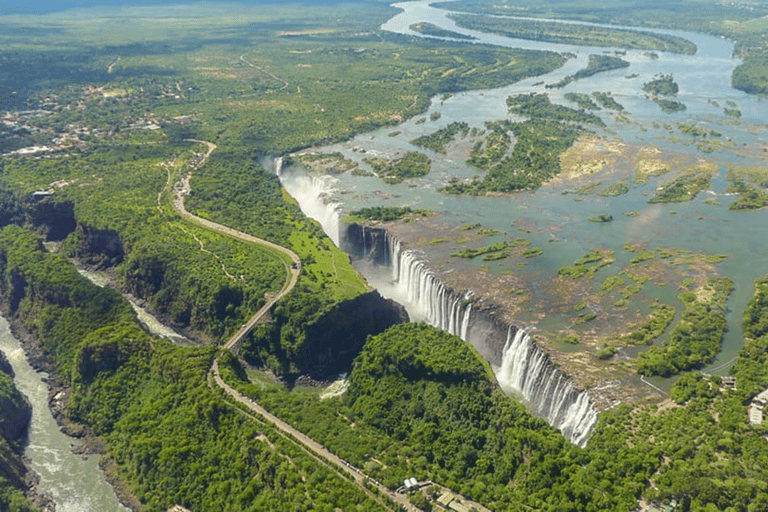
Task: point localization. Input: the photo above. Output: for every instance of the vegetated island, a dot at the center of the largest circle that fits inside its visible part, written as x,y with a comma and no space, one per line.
530,163
661,88
576,34
596,64
430,29
410,165
438,140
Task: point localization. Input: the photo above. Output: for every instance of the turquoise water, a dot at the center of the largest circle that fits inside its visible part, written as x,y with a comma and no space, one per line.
558,223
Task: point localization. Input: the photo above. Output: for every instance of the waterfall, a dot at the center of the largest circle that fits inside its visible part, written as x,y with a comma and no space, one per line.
527,370
314,195
521,367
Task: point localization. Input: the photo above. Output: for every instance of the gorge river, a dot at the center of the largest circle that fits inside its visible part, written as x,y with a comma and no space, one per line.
75,484
49,449
556,222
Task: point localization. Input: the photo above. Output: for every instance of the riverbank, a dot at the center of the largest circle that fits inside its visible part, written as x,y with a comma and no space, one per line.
84,444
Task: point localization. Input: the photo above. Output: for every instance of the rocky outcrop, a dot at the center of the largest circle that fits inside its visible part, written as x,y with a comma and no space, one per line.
338,336
5,366
16,411
56,220
98,248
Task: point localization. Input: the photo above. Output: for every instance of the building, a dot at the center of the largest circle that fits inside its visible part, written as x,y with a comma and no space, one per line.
449,502
756,408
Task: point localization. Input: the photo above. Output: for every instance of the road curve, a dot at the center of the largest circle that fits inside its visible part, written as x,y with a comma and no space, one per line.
293,270
179,193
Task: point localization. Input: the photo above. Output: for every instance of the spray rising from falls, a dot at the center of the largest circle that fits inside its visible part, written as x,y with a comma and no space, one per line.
521,367
314,195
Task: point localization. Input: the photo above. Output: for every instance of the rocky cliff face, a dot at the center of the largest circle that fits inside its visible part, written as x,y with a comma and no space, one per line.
15,414
521,366
15,410
338,336
55,220
99,248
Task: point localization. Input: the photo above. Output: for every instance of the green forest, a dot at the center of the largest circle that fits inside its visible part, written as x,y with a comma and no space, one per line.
122,106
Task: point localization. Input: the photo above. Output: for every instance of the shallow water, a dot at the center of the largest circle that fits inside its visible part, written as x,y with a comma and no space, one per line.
558,223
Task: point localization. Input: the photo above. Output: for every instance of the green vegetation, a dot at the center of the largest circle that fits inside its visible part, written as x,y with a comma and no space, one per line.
669,106
614,189
169,435
15,414
428,29
660,88
606,101
410,165
444,421
589,264
385,213
473,253
490,151
539,106
603,217
596,64
681,189
583,35
533,161
750,183
658,321
750,197
661,85
438,140
695,339
584,101
533,252
330,163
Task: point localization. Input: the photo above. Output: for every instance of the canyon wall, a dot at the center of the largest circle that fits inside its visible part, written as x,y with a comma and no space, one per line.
521,367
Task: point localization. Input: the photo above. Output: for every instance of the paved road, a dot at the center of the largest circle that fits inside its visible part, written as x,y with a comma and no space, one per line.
312,445
180,192
293,270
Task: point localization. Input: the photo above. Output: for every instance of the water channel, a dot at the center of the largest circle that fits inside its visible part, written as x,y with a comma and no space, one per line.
49,449
76,484
559,223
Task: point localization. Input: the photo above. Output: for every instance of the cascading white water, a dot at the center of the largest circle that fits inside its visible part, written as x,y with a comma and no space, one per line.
313,195
524,368
521,367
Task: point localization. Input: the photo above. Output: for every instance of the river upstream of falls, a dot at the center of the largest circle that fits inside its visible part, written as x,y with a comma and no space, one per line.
557,222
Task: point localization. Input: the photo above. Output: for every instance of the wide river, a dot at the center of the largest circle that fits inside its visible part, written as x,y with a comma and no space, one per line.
556,222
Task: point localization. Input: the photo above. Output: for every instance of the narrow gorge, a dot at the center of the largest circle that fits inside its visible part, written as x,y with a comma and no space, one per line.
521,367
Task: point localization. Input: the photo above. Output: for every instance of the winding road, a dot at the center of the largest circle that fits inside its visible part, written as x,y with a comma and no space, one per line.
181,191
322,454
